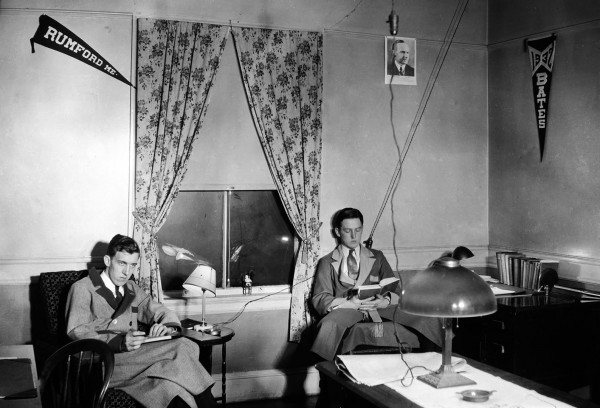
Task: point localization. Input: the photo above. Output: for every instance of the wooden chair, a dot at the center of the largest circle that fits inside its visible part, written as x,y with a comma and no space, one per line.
77,375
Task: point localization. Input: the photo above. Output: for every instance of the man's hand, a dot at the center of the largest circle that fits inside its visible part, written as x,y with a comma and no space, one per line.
352,303
132,340
159,329
377,302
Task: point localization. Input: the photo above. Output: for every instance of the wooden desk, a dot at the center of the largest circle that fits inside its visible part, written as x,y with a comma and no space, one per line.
206,343
21,352
553,340
338,391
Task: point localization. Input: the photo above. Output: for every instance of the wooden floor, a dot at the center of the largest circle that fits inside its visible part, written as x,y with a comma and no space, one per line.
305,402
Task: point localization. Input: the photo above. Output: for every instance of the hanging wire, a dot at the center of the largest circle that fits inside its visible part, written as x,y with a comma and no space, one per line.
441,57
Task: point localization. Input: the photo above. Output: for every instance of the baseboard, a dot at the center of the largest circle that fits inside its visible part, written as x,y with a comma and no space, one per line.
268,384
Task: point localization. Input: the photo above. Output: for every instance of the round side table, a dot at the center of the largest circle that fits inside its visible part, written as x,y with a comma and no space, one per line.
206,342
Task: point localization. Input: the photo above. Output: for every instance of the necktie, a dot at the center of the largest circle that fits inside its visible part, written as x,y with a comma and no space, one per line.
352,265
118,296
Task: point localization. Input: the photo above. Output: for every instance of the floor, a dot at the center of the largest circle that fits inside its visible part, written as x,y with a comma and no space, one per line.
305,402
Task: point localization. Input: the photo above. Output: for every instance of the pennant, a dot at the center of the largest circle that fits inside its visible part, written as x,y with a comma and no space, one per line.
541,56
54,35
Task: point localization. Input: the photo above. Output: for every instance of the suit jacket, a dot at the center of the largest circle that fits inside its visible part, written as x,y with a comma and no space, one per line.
156,372
393,70
331,286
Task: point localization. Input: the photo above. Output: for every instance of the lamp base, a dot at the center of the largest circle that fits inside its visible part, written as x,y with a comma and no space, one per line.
203,327
445,379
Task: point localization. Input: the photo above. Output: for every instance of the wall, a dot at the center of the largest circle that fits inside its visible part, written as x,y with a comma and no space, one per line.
66,144
447,157
76,151
66,147
547,208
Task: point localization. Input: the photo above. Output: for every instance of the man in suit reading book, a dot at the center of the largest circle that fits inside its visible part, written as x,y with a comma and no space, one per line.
108,305
339,275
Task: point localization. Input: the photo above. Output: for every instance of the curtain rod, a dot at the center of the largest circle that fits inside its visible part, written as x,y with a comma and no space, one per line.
229,23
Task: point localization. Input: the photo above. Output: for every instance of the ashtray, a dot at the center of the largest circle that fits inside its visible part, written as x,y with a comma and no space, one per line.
475,395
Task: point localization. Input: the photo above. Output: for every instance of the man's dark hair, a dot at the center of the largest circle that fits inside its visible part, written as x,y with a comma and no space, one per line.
345,214
122,243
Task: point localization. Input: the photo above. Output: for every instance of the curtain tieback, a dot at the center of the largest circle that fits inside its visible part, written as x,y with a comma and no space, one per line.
310,237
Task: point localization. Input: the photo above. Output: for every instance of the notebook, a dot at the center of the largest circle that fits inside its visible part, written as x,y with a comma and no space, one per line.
16,379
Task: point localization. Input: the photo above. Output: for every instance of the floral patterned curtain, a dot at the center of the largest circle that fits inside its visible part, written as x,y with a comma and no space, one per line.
282,73
177,62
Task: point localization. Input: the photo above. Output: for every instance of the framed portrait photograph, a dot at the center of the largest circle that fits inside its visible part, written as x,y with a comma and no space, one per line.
400,61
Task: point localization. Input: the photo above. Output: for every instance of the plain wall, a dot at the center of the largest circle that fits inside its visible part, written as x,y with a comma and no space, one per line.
549,208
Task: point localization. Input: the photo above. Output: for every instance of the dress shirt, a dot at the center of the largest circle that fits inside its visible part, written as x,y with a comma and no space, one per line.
401,67
110,285
346,252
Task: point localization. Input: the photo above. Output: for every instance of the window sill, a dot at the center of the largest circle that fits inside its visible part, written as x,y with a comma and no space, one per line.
230,300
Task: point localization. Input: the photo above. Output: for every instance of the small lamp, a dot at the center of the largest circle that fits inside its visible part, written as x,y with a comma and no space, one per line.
447,290
202,278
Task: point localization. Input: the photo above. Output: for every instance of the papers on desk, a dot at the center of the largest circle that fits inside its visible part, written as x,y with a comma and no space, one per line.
506,394
488,278
501,289
375,369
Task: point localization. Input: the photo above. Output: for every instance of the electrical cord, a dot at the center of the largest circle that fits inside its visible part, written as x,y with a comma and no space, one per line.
239,313
441,57
408,378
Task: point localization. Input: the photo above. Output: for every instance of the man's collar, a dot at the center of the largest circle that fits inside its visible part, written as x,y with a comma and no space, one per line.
345,250
109,283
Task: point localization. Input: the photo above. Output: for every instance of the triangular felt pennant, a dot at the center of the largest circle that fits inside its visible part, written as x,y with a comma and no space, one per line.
50,33
541,56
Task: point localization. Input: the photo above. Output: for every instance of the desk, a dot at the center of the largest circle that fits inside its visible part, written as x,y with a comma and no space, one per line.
206,343
553,340
22,352
338,391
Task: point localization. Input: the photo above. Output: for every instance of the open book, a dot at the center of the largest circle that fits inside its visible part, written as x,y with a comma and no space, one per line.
367,291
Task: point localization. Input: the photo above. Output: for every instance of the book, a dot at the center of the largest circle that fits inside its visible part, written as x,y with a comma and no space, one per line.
367,291
504,270
16,378
160,338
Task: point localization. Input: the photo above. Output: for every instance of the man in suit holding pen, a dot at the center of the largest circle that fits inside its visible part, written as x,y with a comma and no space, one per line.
350,265
107,306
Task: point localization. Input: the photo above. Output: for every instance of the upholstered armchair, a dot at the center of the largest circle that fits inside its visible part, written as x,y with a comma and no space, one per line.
54,288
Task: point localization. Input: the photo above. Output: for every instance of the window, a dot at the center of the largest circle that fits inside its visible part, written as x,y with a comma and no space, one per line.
238,232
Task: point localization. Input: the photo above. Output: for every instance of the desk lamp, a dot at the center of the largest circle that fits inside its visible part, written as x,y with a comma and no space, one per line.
461,252
203,278
446,289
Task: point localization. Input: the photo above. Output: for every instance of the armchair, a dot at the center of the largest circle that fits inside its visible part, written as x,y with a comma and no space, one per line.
54,288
